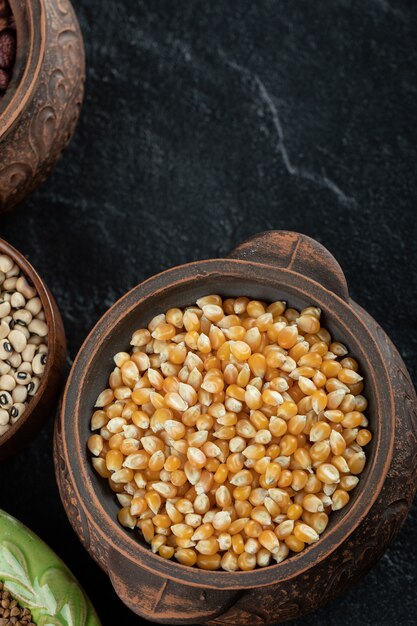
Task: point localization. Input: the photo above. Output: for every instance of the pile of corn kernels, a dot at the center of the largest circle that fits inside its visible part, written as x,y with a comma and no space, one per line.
231,432
23,342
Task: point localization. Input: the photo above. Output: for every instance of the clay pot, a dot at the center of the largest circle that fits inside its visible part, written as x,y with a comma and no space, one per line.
42,404
40,109
270,266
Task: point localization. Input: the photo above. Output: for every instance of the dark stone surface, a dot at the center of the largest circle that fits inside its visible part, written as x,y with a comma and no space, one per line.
204,123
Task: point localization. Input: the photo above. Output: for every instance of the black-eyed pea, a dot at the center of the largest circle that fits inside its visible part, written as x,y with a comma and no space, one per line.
33,386
16,411
4,368
17,300
38,327
34,305
7,382
22,317
17,340
38,364
4,417
19,394
22,285
6,263
5,309
5,350
6,400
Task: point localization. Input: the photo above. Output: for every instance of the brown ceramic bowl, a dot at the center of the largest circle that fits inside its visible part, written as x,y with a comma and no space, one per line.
270,266
42,403
40,109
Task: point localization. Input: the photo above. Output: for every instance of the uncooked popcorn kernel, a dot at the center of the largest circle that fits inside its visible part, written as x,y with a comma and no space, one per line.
231,432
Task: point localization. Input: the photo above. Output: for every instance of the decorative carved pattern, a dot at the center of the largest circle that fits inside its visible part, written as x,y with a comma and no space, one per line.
35,142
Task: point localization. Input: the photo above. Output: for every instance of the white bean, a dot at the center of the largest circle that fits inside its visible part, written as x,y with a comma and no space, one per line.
38,327
5,309
29,352
4,330
17,300
38,364
6,264
25,289
19,393
7,382
4,417
34,305
6,400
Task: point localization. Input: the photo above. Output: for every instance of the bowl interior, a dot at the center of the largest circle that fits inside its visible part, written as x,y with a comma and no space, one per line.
28,52
112,334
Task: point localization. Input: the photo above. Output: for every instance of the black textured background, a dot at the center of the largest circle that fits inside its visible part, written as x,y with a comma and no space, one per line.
204,123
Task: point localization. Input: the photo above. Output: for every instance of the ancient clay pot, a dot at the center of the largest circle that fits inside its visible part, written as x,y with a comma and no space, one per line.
270,266
40,109
43,403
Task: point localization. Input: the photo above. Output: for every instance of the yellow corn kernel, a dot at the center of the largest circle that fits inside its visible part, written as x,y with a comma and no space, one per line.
100,467
294,544
208,547
246,561
303,458
287,337
305,533
299,480
312,503
272,474
255,451
166,490
339,499
294,511
327,473
153,501
352,419
320,451
186,556
337,443
257,364
348,376
285,479
363,437
114,460
287,410
221,474
357,462
296,424
288,444
284,529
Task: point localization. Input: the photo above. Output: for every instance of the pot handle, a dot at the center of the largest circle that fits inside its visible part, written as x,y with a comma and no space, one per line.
159,599
298,253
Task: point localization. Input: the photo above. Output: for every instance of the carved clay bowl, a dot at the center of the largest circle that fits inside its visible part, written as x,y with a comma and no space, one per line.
40,109
270,266
39,580
42,404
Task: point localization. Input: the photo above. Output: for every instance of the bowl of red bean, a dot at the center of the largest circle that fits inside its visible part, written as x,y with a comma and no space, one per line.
237,441
32,351
41,91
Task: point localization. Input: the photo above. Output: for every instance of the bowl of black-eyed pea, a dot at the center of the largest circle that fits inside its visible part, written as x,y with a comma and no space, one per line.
237,439
32,351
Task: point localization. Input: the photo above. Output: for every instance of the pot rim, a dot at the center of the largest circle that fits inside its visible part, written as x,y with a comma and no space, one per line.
53,346
30,21
118,539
